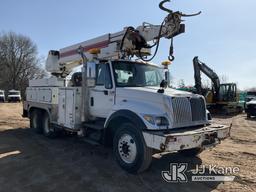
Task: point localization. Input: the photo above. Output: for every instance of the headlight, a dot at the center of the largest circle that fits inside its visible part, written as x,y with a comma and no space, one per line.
156,120
149,118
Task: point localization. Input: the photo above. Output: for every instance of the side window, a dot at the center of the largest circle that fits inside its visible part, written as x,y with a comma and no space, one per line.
100,74
103,76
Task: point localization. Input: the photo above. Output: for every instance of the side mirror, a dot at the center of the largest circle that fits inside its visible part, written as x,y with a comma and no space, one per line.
91,74
91,70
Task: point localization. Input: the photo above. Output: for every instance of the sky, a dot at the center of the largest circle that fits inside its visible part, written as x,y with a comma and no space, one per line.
223,36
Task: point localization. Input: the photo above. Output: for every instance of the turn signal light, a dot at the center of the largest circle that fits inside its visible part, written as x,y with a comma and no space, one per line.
166,63
94,51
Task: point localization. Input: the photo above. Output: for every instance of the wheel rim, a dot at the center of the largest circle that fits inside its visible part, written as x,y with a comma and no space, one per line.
127,148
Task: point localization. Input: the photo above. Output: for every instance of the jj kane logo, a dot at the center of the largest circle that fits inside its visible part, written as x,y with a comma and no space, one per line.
177,173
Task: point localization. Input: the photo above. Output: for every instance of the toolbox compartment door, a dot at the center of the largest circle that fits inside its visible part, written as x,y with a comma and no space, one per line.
69,108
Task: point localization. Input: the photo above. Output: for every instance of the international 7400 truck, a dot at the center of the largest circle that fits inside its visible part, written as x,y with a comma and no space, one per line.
120,99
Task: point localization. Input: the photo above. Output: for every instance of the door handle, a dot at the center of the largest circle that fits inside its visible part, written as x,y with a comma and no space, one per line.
105,92
92,101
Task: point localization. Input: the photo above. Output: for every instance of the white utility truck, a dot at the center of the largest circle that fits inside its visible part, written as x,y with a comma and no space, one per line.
121,100
14,96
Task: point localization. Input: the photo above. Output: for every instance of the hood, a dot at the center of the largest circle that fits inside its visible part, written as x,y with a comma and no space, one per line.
173,104
150,93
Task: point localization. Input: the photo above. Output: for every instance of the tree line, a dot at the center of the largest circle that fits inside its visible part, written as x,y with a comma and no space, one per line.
19,62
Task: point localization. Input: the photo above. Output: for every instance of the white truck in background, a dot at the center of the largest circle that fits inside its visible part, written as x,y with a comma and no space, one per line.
120,101
2,96
14,96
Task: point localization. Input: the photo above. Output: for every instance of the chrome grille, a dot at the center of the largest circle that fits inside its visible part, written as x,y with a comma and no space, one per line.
198,109
181,110
187,111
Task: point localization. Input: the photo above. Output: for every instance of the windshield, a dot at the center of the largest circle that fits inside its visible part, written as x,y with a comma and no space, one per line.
130,74
14,93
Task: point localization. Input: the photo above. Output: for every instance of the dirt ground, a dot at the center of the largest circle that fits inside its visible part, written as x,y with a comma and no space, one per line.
31,162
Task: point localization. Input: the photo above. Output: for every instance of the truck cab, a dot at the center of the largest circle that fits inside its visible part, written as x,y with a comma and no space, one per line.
133,86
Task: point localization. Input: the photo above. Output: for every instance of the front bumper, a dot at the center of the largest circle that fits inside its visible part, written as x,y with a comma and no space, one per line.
203,137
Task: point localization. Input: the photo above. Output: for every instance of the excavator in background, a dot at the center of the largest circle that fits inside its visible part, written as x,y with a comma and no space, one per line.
221,98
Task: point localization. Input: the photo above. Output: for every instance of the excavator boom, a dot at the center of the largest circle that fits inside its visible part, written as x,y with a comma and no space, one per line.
202,67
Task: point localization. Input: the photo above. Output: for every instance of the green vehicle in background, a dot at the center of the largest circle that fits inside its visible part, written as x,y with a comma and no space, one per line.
242,98
187,88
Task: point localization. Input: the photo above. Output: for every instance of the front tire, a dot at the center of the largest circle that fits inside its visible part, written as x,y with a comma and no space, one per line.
130,149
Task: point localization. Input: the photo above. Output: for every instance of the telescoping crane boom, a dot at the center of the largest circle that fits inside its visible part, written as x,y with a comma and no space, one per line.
124,44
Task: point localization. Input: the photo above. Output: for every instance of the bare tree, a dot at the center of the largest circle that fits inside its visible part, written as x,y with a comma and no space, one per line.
223,79
171,79
19,61
181,83
251,89
206,83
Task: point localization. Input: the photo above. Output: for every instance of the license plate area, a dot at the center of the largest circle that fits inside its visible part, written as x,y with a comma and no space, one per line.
210,139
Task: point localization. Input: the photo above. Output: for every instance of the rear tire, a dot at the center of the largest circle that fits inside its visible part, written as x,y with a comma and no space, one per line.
248,116
130,149
35,121
48,130
191,152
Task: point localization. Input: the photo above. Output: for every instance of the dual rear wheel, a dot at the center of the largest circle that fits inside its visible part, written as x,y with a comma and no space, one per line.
40,123
129,146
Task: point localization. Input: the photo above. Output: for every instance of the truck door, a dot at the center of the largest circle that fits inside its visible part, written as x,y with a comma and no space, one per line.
102,95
